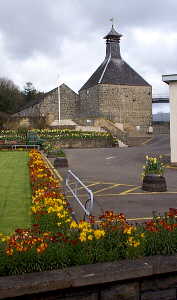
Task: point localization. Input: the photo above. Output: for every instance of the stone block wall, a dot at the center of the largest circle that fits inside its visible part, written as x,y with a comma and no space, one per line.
70,104
149,278
89,102
85,143
48,107
129,105
126,104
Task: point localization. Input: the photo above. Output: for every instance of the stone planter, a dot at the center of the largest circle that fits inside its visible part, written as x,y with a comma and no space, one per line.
51,154
61,162
154,183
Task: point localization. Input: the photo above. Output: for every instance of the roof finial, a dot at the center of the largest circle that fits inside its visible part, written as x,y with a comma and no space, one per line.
112,21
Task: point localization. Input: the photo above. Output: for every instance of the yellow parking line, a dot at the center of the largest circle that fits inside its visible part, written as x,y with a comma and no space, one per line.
108,188
140,193
100,182
147,141
96,183
130,190
140,219
171,167
132,219
149,193
123,194
123,184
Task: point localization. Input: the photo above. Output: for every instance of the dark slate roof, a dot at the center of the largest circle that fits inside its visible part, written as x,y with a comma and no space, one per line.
114,70
117,72
30,104
56,89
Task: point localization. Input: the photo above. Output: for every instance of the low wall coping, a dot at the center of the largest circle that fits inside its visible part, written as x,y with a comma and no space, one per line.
86,275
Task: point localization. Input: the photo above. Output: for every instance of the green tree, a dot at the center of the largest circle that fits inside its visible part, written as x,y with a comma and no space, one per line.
11,98
30,93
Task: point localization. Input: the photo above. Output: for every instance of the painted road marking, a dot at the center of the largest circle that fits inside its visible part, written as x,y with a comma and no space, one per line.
112,185
110,157
139,219
96,183
140,193
147,141
171,167
149,193
134,219
107,188
123,184
130,190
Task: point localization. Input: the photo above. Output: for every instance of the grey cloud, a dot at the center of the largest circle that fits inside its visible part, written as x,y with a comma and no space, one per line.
42,26
30,26
35,26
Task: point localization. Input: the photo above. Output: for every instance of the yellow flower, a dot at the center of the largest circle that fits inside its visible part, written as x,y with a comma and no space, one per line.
90,237
136,244
99,233
129,229
73,224
130,239
133,242
50,210
83,237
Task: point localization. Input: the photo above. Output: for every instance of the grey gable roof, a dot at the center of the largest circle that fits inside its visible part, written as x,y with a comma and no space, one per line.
117,72
114,70
56,89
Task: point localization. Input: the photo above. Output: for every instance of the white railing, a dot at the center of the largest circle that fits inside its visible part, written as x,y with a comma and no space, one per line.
74,188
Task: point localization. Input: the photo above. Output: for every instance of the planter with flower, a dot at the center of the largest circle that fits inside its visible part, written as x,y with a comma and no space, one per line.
153,175
61,160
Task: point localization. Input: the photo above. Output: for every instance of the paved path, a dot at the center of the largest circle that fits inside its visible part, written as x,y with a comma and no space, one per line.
114,176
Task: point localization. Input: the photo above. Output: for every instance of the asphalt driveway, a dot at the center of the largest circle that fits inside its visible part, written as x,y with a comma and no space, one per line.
114,176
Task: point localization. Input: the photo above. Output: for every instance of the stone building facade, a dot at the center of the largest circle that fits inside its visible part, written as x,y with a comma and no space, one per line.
49,105
115,92
121,104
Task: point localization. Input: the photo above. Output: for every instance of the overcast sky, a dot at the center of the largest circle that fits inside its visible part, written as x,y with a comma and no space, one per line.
41,39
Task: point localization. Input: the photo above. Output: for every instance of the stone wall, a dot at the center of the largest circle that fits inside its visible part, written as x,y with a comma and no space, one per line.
86,143
130,105
89,102
48,107
126,104
149,278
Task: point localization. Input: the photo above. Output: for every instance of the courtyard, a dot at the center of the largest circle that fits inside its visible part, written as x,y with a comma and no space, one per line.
114,176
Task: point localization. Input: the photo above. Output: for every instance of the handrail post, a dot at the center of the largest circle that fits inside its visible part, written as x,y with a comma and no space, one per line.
74,192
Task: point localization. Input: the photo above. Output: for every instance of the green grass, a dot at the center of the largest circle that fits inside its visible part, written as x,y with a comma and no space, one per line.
15,191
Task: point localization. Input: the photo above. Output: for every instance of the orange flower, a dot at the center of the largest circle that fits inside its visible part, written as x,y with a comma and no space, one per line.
9,251
42,247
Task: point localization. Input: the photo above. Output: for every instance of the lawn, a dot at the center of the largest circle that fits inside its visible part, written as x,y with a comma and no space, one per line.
15,191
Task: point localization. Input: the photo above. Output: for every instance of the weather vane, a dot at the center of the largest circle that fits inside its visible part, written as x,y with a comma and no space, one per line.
112,21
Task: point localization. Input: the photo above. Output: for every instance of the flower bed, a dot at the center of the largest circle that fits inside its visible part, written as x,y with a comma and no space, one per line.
56,241
54,134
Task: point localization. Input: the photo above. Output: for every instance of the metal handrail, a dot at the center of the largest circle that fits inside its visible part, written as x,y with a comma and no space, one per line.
87,211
